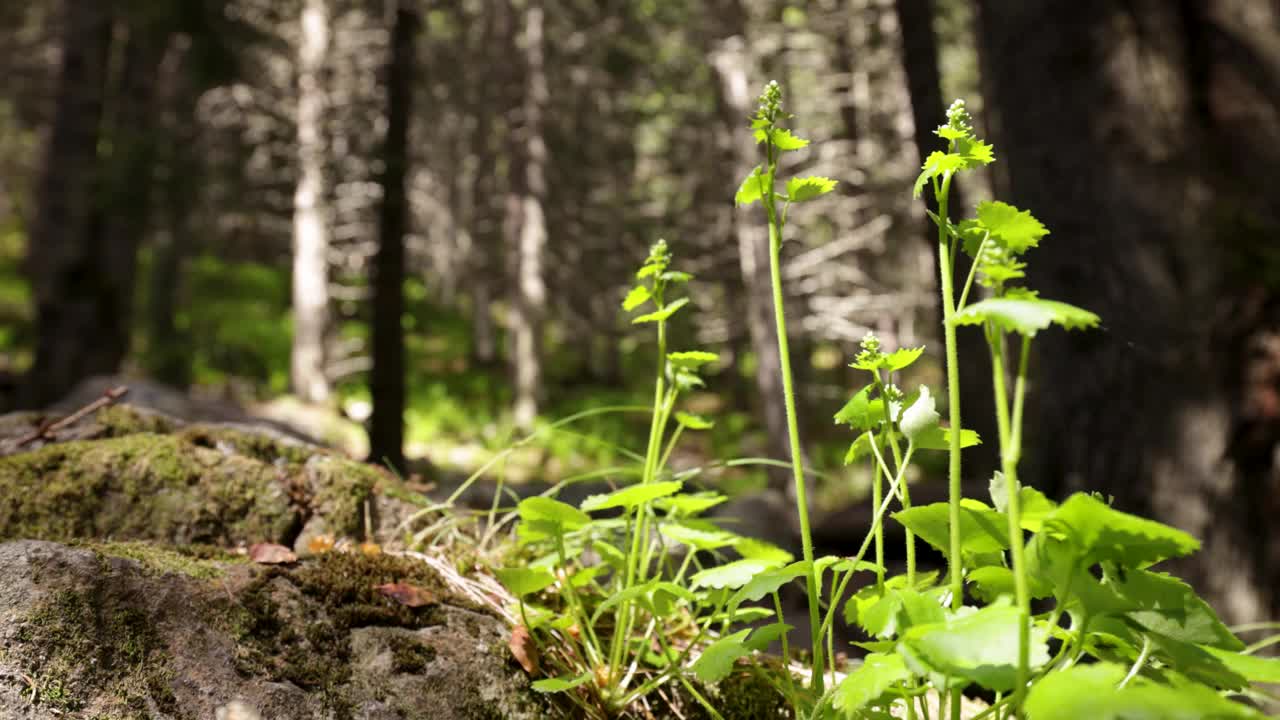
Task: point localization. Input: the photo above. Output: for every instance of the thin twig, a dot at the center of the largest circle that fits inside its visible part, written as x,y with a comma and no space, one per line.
46,429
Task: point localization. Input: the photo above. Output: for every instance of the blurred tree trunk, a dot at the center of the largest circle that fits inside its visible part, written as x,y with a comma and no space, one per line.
928,111
484,103
386,432
526,229
310,214
730,60
76,303
1144,135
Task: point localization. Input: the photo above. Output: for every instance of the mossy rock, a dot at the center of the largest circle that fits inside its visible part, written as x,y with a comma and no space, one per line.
90,632
126,473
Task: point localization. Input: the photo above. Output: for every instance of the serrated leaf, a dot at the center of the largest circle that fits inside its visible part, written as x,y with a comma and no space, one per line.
716,661
982,530
762,637
989,583
802,189
861,412
859,448
698,535
561,684
946,132
1033,504
1016,230
749,190
877,674
981,647
664,314
1025,316
1090,691
1251,667
938,163
633,496
732,575
899,610
902,358
1169,606
692,359
975,152
768,582
525,580
691,504
1099,533
783,139
694,422
868,596
756,549
638,296
553,512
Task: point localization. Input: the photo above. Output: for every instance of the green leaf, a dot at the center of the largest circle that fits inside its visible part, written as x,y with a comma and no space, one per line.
861,412
612,556
801,189
561,684
1091,691
981,647
877,674
989,583
768,582
859,448
1017,230
1251,667
901,358
665,313
754,549
716,661
975,152
638,296
694,422
1033,504
1099,533
691,504
982,530
523,581
749,190
691,359
732,575
552,512
898,610
1169,606
633,496
1025,315
939,438
762,637
938,163
698,535
869,596
785,141
675,276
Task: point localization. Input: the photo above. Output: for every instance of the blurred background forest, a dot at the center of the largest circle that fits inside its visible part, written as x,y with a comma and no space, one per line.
405,227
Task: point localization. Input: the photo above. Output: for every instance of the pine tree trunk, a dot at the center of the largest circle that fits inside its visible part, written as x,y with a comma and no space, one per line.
74,301
386,432
310,218
526,224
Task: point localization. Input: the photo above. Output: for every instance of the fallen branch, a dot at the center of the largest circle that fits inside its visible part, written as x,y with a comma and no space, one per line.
48,427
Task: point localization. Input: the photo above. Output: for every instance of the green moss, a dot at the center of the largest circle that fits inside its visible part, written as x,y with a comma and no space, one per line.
409,655
197,561
258,446
142,486
751,695
121,420
79,643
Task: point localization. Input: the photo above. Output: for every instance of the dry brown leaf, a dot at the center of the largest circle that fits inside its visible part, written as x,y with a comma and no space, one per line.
271,554
407,595
524,649
371,549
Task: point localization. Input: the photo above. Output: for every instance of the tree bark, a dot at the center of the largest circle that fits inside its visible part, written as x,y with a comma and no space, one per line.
526,228
386,432
310,217
1146,161
76,305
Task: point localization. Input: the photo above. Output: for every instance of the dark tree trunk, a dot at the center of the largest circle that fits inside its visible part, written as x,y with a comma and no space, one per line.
79,328
1141,133
387,381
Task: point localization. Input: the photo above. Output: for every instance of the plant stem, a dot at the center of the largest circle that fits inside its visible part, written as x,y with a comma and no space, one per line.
1010,450
793,431
904,493
946,270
